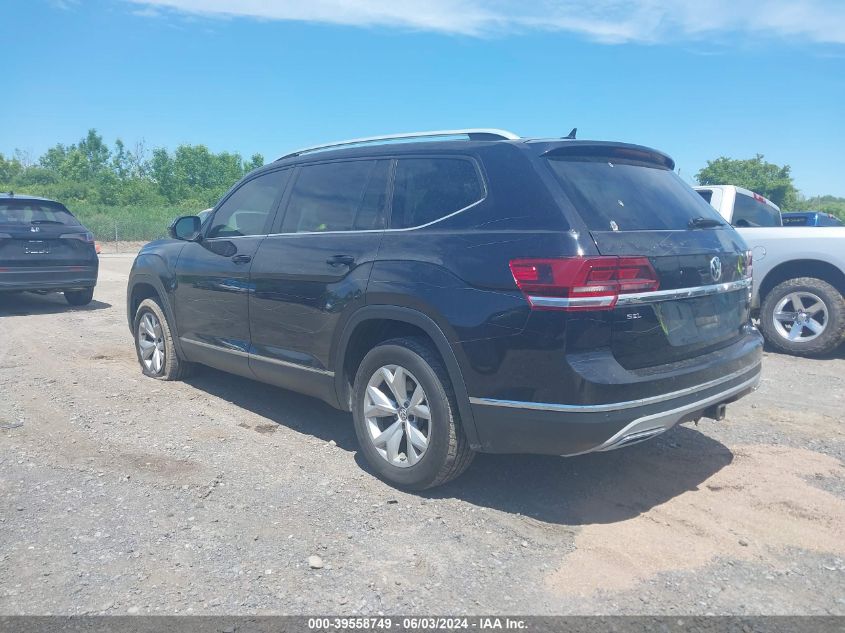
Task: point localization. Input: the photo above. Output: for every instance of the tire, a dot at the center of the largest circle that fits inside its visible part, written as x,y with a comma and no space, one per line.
822,305
446,453
79,297
151,326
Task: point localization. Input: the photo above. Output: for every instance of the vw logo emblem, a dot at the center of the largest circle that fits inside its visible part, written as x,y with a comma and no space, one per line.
35,229
716,268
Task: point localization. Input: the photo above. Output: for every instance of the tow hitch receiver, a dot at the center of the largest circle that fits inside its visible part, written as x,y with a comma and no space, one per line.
716,412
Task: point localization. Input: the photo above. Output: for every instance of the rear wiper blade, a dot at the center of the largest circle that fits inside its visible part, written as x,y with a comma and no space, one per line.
704,223
46,222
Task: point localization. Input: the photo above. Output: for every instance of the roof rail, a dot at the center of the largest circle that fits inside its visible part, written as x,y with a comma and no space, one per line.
474,134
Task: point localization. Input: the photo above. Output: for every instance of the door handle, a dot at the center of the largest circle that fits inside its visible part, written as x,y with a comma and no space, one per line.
340,260
242,259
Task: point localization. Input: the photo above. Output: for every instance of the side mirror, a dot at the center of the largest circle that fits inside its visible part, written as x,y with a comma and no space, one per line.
186,228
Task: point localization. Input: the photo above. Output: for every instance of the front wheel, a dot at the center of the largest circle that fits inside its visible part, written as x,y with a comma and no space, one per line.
79,297
154,344
406,417
804,316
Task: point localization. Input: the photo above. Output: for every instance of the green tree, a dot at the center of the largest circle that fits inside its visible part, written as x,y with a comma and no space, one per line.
828,204
756,174
10,169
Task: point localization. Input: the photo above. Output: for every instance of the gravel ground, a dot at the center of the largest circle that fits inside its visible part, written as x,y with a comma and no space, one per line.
120,494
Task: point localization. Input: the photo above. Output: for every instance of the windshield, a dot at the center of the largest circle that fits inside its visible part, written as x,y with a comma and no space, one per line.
35,212
612,194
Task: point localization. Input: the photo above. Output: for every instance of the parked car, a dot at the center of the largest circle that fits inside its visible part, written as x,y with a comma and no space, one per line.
810,218
799,272
43,248
484,293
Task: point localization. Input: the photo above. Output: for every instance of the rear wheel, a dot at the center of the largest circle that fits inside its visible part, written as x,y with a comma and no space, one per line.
804,316
79,297
154,344
406,417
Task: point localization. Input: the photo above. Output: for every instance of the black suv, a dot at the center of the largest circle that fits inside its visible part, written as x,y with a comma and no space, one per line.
43,248
488,293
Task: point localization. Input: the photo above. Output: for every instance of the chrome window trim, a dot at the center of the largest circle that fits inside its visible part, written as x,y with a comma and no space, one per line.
410,228
276,361
613,406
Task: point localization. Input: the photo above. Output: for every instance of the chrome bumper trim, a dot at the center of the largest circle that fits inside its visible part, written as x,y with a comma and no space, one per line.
649,426
274,361
682,293
612,406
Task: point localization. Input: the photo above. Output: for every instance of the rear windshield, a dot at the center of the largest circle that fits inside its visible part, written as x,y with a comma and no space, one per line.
754,213
612,194
35,212
796,220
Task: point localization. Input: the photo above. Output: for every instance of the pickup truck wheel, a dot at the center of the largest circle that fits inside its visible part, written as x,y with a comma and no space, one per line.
154,344
406,416
804,316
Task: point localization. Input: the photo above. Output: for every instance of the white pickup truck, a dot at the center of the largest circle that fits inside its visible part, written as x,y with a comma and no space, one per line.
799,272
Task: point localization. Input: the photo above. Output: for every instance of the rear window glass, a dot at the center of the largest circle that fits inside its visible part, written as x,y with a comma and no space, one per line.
35,212
343,196
795,220
612,194
428,189
751,212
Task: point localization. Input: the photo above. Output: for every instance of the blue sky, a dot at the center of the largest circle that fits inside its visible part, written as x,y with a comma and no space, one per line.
695,78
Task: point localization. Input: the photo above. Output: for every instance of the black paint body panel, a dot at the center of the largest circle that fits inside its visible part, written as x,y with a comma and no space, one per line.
287,318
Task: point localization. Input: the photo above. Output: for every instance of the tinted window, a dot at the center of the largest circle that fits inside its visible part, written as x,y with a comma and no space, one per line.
427,189
751,212
707,194
611,194
35,212
795,220
338,197
247,210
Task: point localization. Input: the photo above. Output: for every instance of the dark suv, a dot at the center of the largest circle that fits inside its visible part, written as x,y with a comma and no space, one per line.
43,248
490,294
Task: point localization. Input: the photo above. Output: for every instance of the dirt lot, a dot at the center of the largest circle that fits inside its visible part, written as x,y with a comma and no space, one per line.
120,494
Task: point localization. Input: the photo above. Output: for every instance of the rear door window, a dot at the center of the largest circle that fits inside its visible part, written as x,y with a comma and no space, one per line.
248,209
341,196
754,213
429,189
614,194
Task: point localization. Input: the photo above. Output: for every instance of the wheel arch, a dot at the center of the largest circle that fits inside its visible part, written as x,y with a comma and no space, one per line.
796,268
375,323
148,286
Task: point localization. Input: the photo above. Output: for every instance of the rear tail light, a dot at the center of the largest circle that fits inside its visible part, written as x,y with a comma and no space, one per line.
87,237
582,283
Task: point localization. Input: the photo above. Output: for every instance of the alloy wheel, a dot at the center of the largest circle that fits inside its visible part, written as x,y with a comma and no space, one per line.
151,343
397,416
800,317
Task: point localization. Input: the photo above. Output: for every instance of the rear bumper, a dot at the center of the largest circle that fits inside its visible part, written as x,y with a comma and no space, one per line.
558,429
48,277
